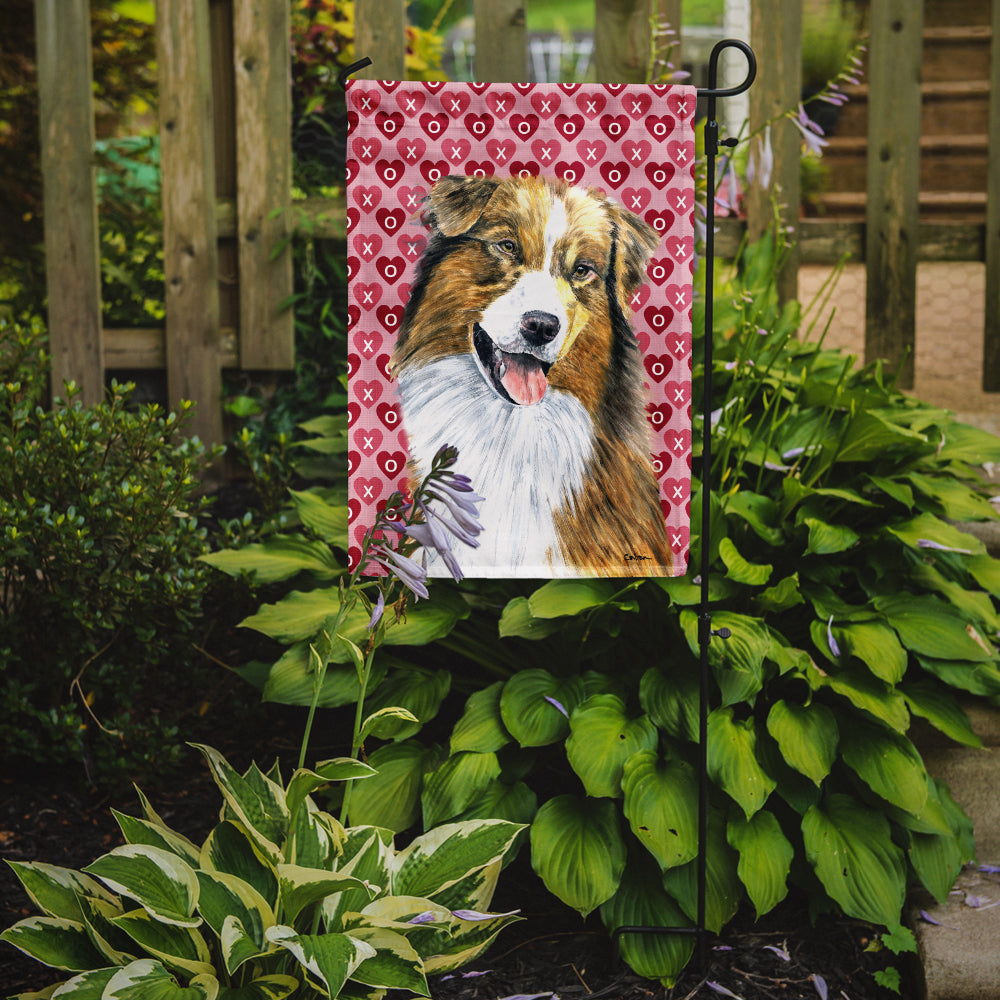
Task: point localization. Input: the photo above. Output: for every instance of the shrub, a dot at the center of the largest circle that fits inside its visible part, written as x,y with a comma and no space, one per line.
280,899
99,539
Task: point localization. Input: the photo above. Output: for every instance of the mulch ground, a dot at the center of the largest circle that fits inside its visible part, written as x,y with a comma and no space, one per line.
550,953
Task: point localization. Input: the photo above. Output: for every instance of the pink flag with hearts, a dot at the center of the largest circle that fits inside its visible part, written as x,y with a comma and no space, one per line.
520,259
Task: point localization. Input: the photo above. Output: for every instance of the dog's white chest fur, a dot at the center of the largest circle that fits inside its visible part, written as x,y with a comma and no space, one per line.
527,461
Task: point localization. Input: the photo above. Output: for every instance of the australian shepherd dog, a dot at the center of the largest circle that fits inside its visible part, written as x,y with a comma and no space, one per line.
515,348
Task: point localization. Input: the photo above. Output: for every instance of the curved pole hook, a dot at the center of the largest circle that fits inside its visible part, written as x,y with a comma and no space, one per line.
353,68
712,90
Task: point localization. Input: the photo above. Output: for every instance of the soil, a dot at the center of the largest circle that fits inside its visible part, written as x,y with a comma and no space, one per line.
550,953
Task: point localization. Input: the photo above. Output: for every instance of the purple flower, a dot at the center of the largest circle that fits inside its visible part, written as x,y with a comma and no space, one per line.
475,915
558,705
427,917
761,162
409,573
377,611
811,132
927,543
820,983
834,647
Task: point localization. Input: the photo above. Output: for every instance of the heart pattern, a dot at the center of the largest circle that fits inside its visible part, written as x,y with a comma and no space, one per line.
634,143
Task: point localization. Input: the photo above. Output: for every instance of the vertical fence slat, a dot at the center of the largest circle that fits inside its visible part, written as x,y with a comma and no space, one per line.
261,57
621,40
380,34
72,257
501,41
893,183
776,34
190,253
991,332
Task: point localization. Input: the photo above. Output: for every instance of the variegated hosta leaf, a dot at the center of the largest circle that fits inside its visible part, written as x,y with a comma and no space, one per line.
54,941
602,737
642,902
367,853
850,847
765,858
807,736
481,727
230,849
315,838
456,784
732,760
304,782
158,880
475,891
329,959
661,799
225,897
300,887
468,939
116,946
147,979
86,986
141,831
275,987
56,891
441,857
177,947
395,964
578,851
256,801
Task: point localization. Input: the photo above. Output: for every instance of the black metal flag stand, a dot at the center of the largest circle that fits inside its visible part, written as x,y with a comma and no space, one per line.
705,631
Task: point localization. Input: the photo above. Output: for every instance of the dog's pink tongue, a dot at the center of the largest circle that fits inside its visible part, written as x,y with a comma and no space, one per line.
524,379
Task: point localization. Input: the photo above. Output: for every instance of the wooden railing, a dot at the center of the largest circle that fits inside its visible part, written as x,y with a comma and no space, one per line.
226,160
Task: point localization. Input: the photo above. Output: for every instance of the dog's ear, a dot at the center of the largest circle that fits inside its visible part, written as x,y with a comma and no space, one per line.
636,242
456,203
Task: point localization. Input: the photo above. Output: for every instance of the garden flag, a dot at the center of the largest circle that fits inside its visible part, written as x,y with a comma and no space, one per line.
520,260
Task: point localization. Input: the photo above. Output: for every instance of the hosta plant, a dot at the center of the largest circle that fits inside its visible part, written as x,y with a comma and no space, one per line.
279,900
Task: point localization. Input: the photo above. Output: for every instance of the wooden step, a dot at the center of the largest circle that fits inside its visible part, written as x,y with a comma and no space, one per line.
956,53
945,104
957,206
947,163
939,13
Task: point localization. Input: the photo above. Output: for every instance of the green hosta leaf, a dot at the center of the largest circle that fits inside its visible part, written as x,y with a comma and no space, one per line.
261,809
578,851
941,709
330,959
274,987
758,511
850,848
395,964
661,798
225,897
54,941
304,782
438,859
279,558
456,784
147,979
558,598
327,520
418,691
391,798
301,887
783,595
738,661
481,728
866,692
976,678
965,443
602,738
956,500
937,859
671,699
230,849
180,948
641,901
765,858
870,436
893,488
723,889
927,528
876,646
888,763
751,574
159,881
931,628
386,723
732,760
975,605
516,803
828,539
291,680
56,891
517,620
807,736
141,831
528,710
986,572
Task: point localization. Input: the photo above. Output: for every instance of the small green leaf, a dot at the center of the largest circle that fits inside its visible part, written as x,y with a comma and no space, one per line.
671,700
936,704
559,598
535,706
391,798
481,727
888,763
807,736
517,620
328,521
741,571
828,539
578,851
765,858
732,760
279,558
456,784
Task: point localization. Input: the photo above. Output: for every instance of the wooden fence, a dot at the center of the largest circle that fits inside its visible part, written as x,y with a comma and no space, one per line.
226,160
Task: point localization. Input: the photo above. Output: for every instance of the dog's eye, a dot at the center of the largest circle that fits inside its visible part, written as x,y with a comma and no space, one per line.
507,247
584,271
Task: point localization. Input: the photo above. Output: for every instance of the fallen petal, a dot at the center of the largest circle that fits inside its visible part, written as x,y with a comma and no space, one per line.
820,983
719,988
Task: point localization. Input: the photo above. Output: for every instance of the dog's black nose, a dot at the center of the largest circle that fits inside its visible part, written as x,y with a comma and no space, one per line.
539,327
